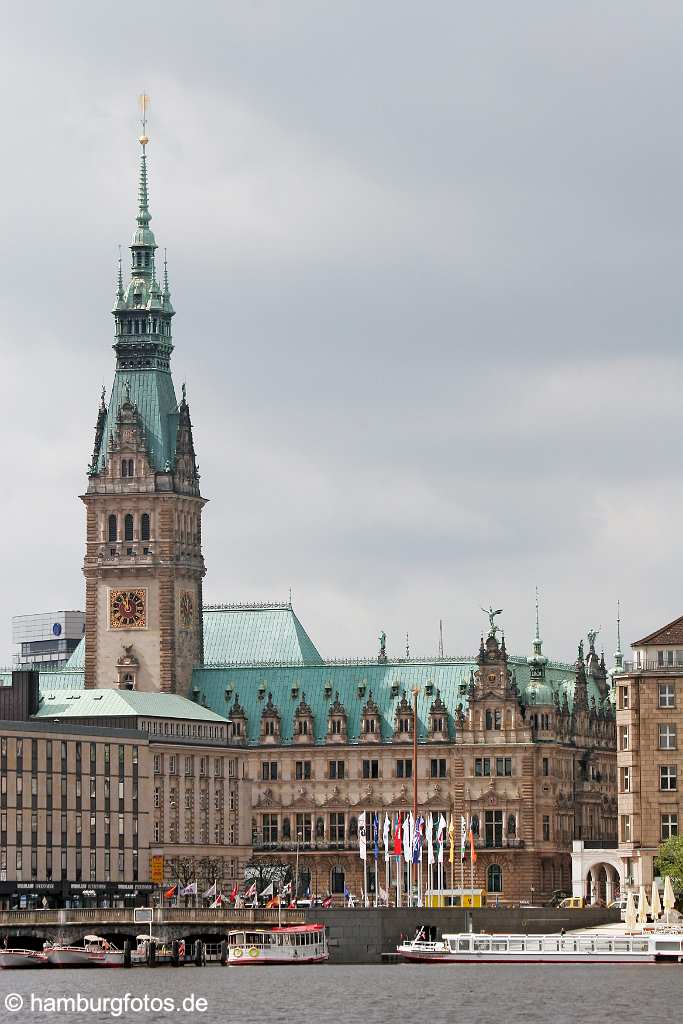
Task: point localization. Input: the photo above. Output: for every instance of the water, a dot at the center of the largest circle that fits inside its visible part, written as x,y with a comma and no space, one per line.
475,993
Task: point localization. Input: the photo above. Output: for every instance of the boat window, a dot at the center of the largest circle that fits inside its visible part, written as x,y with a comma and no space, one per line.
585,945
603,946
499,945
533,945
516,945
550,945
640,946
464,945
453,945
568,945
482,945
669,945
621,945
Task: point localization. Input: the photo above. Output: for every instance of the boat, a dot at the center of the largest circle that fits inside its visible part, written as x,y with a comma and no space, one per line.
294,944
95,952
21,958
163,954
573,948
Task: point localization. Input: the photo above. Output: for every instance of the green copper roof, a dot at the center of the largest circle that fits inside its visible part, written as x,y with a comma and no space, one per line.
354,681
244,634
153,393
108,702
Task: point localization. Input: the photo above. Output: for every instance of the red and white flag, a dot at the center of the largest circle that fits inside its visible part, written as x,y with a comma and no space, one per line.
218,902
251,891
233,894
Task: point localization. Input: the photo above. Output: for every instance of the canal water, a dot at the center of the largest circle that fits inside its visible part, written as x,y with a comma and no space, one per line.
417,994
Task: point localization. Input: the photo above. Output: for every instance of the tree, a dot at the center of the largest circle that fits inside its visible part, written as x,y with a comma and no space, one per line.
264,871
669,861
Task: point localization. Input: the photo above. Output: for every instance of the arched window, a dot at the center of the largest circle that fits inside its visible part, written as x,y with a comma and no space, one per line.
112,529
124,467
494,878
128,527
337,881
131,467
144,526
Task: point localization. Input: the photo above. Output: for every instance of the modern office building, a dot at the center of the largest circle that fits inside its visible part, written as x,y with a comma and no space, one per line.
48,638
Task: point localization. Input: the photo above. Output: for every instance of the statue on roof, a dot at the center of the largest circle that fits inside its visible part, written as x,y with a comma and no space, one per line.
592,635
493,628
382,656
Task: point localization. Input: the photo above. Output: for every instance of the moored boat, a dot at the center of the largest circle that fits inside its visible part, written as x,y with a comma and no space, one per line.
579,947
296,944
21,958
95,952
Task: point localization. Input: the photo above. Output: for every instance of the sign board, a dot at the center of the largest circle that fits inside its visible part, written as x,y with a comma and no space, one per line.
156,872
143,915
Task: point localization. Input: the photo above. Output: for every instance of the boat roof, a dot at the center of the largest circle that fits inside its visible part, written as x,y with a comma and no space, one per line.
92,938
281,928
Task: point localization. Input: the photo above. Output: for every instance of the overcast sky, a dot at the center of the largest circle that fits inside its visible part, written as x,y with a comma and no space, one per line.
426,262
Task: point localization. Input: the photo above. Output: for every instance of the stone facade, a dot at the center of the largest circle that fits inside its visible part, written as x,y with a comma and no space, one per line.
649,692
531,779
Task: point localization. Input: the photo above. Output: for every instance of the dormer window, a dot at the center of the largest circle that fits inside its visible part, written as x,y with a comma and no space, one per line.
336,726
269,727
303,722
404,725
127,467
370,725
303,727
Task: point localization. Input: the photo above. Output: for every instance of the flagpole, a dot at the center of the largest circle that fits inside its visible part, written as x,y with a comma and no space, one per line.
416,691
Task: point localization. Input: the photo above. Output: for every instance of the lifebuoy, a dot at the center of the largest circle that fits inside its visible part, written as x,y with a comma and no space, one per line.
253,951
237,952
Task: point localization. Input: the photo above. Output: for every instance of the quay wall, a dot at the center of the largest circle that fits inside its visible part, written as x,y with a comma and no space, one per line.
361,936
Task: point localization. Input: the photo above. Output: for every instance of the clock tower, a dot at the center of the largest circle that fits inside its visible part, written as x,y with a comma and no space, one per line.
143,562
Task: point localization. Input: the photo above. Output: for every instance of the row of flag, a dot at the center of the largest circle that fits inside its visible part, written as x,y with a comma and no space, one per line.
404,836
251,893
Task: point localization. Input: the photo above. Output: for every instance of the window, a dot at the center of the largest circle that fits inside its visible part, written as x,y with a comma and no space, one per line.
371,769
482,766
494,718
144,526
669,826
303,828
111,529
437,767
623,698
546,828
404,768
157,796
369,725
189,765
494,878
336,726
667,737
171,764
667,695
303,727
269,727
626,828
337,769
269,771
668,777
337,881
128,527
625,780
493,828
546,766
503,766
336,834
302,769
270,823
437,724
623,737
660,659
404,725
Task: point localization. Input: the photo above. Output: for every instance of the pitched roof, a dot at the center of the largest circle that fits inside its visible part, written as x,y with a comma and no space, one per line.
667,635
152,391
120,703
255,633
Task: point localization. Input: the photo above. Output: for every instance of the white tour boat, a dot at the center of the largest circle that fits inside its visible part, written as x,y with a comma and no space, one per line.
297,944
21,958
95,952
573,948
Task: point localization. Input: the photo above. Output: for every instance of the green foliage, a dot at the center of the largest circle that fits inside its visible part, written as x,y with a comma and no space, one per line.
669,861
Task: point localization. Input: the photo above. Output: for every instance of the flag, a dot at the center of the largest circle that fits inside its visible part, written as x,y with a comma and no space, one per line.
233,893
463,837
268,891
218,902
327,902
210,893
287,891
170,892
383,895
398,835
386,833
473,852
251,891
375,835
430,839
291,905
440,837
451,840
274,901
189,890
417,839
407,838
362,838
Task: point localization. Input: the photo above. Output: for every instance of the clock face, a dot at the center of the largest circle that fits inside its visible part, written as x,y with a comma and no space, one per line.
127,609
186,609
